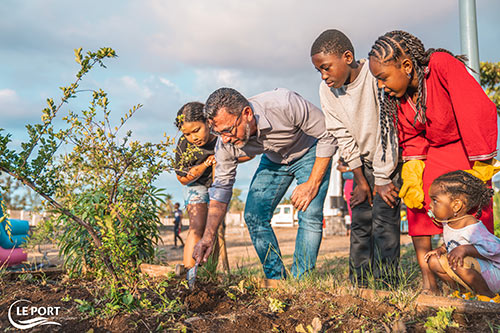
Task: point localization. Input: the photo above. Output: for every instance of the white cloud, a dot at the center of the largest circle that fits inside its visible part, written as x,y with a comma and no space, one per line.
16,110
167,82
172,52
131,84
8,95
276,35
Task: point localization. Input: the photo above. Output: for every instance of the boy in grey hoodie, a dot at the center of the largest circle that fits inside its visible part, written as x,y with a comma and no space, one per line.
348,95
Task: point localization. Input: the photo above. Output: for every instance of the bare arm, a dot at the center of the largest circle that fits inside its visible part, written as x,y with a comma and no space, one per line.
204,247
244,159
306,192
195,172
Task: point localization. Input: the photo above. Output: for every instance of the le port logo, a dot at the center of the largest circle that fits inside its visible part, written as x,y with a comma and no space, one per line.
36,315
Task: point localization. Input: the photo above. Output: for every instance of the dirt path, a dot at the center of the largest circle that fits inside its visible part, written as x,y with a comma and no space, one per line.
241,252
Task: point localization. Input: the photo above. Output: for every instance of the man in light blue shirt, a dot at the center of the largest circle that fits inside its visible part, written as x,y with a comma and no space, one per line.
290,132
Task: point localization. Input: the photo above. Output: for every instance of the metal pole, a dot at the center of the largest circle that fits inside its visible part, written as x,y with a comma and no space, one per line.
468,34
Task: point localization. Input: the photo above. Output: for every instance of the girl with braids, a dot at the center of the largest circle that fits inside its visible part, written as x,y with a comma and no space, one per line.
444,122
470,255
194,171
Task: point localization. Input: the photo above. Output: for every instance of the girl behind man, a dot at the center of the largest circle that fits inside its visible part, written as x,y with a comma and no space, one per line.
194,158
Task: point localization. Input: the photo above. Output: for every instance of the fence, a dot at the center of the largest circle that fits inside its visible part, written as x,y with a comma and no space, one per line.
32,217
333,225
232,219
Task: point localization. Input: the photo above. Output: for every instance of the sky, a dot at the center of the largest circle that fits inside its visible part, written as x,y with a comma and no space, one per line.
174,52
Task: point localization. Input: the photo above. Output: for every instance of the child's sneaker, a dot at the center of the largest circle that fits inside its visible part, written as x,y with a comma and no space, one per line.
495,299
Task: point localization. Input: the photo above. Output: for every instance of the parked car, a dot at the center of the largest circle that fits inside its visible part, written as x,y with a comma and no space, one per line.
284,216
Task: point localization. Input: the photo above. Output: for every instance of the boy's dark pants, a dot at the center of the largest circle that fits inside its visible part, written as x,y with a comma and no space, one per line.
177,231
375,232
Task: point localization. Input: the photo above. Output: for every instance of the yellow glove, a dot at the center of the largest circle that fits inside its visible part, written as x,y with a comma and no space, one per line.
483,170
412,191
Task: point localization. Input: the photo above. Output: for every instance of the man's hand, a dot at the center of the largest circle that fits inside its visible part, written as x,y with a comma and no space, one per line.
360,194
437,252
306,192
388,193
303,194
203,249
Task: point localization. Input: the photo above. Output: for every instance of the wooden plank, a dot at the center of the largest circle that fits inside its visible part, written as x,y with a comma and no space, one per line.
424,302
45,272
156,270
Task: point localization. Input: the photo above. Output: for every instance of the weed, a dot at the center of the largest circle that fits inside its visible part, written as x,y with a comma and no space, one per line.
86,307
493,327
231,295
275,305
243,287
441,321
184,283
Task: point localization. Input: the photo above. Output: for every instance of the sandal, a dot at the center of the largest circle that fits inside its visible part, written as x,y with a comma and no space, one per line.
495,299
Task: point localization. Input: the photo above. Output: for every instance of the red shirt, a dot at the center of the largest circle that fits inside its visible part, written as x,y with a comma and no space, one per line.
457,109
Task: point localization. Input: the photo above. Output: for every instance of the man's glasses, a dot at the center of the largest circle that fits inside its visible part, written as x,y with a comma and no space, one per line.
227,131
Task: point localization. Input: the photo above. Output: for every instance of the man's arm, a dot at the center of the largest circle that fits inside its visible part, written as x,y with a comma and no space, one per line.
220,194
311,121
204,247
306,192
306,116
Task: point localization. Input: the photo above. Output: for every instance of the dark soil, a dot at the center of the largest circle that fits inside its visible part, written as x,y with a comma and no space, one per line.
212,308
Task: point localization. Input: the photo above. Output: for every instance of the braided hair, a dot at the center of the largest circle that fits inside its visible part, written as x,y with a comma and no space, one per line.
460,183
395,46
192,111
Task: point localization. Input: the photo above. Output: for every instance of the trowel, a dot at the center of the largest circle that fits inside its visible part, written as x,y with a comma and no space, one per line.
191,276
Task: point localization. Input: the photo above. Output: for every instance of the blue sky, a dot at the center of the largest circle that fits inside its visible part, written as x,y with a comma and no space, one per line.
172,52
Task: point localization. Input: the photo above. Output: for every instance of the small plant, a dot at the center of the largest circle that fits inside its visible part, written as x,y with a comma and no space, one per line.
86,307
231,295
275,305
243,287
441,321
66,298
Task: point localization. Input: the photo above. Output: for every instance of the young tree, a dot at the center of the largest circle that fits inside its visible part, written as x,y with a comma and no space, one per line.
236,205
101,192
496,213
490,81
15,197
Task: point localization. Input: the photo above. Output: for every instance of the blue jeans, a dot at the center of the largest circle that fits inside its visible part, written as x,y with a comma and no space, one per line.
269,185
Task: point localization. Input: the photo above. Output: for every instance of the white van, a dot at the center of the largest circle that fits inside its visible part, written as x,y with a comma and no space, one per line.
284,216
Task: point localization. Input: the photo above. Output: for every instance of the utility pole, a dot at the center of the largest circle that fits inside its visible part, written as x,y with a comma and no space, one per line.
468,34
